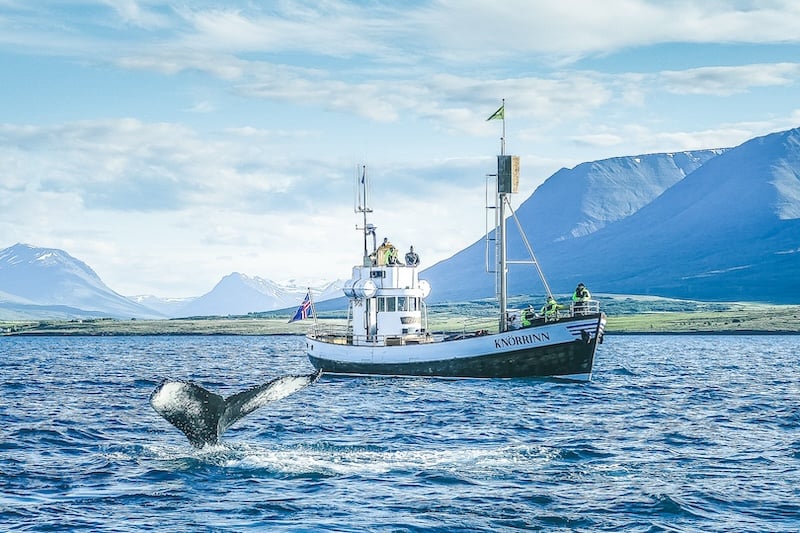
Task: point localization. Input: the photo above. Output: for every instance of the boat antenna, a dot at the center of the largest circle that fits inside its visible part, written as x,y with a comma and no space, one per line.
362,206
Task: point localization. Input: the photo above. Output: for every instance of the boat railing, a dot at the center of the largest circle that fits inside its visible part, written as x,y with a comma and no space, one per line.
472,325
322,331
342,334
586,307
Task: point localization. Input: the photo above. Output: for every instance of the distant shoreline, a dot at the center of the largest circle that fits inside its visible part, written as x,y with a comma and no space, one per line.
39,333
626,316
271,327
699,332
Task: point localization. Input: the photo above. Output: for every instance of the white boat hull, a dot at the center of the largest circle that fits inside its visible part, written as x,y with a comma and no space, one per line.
563,349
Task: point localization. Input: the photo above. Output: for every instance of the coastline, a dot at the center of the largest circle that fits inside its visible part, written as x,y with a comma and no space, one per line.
737,319
731,332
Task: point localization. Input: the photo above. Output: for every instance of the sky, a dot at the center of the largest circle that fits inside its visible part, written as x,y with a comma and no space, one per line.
168,144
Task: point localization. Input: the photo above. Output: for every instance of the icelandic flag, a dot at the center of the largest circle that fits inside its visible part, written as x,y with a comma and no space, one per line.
306,310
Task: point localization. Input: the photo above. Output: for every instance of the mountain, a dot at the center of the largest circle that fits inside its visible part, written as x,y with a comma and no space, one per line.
47,283
239,294
727,230
605,192
582,200
50,283
570,204
169,307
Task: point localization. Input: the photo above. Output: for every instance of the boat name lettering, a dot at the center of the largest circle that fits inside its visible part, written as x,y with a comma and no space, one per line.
517,340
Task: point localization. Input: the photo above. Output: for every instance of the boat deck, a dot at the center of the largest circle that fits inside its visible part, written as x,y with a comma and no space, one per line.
343,334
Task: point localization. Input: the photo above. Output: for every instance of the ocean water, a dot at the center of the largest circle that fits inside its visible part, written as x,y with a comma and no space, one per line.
674,433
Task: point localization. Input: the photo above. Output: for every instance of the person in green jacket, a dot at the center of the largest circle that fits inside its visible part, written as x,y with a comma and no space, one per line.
579,299
550,309
527,316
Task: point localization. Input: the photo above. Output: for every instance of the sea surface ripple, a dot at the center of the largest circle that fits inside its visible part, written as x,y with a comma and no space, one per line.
674,433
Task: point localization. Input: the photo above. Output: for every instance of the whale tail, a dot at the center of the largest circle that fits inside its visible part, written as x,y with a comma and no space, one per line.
204,416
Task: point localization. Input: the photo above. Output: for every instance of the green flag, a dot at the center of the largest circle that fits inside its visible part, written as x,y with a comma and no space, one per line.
500,113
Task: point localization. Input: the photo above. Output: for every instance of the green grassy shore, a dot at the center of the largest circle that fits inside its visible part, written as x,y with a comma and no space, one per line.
626,315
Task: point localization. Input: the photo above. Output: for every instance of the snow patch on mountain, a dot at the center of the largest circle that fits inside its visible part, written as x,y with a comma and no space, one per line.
582,200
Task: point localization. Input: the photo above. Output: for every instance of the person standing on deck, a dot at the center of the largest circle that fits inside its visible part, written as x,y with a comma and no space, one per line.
391,256
579,299
527,316
382,253
412,259
550,309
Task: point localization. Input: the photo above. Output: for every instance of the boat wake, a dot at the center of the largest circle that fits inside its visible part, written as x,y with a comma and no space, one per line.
335,460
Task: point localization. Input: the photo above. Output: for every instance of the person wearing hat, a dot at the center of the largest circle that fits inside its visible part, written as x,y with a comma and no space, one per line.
579,299
412,258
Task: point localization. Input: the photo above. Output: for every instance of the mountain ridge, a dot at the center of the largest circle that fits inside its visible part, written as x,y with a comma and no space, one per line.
50,278
48,283
723,232
557,211
603,190
731,222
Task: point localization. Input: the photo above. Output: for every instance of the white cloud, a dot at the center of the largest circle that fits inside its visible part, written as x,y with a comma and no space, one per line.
239,45
598,139
566,30
367,99
132,12
329,28
202,107
460,31
725,81
726,135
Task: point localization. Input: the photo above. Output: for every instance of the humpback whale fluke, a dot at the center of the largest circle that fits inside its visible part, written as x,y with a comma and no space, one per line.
204,416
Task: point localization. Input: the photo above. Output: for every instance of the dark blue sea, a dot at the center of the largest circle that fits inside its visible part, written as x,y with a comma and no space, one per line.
674,433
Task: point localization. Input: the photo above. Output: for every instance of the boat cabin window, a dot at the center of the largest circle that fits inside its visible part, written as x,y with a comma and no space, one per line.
401,303
377,274
407,303
388,303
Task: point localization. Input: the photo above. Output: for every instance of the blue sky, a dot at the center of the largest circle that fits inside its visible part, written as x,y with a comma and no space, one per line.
168,144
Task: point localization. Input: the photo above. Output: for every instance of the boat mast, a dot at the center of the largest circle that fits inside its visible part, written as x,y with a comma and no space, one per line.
501,230
507,183
362,206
